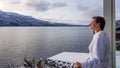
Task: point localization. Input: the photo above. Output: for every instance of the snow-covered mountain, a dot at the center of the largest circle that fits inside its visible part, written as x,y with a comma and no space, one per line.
15,19
118,23
118,26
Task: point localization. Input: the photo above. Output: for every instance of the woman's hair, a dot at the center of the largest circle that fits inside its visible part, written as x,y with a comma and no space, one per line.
100,20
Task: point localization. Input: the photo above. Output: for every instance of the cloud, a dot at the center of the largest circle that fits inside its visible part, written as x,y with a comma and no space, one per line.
118,15
82,8
58,4
10,2
39,5
93,11
87,12
14,2
117,12
43,5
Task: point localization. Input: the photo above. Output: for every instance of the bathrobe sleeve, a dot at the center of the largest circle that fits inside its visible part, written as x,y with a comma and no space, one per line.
98,52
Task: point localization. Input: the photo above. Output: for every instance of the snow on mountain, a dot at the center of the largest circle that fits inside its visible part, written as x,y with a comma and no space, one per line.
14,19
118,23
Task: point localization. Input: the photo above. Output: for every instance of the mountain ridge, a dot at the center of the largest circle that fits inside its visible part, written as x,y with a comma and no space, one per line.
15,19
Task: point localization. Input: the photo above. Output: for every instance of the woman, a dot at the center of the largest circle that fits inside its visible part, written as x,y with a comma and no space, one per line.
99,48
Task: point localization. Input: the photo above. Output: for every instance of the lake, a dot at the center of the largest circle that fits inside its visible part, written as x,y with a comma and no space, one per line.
40,42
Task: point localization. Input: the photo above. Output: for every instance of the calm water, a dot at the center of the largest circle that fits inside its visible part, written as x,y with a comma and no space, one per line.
15,42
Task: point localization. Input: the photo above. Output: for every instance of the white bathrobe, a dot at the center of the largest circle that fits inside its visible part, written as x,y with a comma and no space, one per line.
99,50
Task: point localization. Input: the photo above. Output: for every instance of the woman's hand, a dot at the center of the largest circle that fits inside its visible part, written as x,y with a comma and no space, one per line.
77,65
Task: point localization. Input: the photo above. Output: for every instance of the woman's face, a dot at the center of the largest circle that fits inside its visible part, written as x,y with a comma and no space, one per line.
94,25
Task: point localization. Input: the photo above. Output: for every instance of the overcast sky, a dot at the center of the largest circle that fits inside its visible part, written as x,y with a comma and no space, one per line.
117,9
64,11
